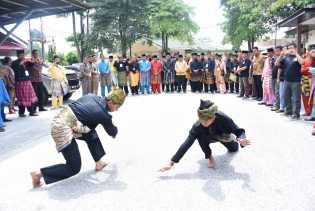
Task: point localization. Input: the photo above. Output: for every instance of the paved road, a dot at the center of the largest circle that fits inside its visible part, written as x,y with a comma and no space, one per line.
276,173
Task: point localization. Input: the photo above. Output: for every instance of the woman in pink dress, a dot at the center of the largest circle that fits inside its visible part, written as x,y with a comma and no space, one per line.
268,96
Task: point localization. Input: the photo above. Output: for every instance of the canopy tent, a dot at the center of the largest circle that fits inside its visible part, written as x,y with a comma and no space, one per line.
17,11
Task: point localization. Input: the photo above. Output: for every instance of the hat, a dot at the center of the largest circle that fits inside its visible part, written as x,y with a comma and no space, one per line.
19,52
245,51
117,96
207,110
270,50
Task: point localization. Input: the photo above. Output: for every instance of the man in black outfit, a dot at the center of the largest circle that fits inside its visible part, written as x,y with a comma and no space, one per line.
90,111
213,126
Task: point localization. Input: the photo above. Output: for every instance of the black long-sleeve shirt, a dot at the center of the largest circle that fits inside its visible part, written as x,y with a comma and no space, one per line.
221,125
19,71
92,110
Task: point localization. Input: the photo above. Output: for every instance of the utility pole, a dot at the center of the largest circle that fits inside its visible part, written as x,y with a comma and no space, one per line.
276,31
29,30
42,38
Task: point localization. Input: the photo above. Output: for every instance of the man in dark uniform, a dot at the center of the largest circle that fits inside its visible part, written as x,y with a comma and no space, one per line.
81,116
196,73
213,126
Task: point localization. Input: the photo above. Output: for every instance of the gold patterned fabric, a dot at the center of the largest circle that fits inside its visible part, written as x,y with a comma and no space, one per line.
65,126
306,88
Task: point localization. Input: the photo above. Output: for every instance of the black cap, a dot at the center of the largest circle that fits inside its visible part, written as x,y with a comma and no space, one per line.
245,51
19,52
204,104
180,56
111,57
270,50
155,56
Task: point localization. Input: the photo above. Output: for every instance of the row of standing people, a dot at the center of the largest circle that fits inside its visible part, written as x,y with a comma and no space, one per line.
22,84
147,75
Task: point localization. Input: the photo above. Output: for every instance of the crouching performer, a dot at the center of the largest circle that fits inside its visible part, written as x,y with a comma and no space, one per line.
78,120
213,126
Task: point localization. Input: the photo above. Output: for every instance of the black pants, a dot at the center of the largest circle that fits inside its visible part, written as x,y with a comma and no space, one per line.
72,156
134,90
292,97
170,87
30,109
39,90
258,86
125,88
181,83
206,87
163,84
227,85
232,86
232,146
196,86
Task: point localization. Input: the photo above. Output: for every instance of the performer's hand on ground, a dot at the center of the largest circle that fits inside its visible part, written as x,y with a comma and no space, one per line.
100,165
167,168
211,162
244,142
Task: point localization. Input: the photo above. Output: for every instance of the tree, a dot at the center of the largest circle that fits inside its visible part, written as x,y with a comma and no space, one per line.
248,20
72,58
172,18
119,23
51,53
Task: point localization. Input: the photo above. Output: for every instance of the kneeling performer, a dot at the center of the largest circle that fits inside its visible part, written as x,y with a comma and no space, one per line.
79,120
213,126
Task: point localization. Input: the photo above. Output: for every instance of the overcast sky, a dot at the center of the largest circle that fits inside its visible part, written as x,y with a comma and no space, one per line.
208,15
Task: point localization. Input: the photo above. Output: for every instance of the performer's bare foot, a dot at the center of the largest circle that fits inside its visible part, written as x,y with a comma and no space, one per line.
36,176
211,163
99,165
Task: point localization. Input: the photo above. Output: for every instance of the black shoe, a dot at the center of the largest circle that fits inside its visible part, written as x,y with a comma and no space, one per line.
262,103
42,109
259,99
33,114
22,115
295,117
240,96
287,114
311,119
2,129
275,109
7,120
269,105
280,111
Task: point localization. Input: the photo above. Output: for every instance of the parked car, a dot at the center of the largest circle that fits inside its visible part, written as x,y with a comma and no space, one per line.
73,81
75,67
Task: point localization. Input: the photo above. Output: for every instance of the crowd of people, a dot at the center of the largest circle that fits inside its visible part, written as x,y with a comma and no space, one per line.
279,78
21,83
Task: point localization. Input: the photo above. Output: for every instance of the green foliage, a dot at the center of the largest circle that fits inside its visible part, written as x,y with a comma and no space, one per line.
62,59
72,58
119,23
249,20
51,53
172,18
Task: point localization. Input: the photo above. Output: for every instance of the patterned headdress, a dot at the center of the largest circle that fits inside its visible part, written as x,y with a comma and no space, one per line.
207,110
117,96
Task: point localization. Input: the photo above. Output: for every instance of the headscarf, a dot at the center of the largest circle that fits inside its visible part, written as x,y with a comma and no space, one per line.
117,96
207,110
